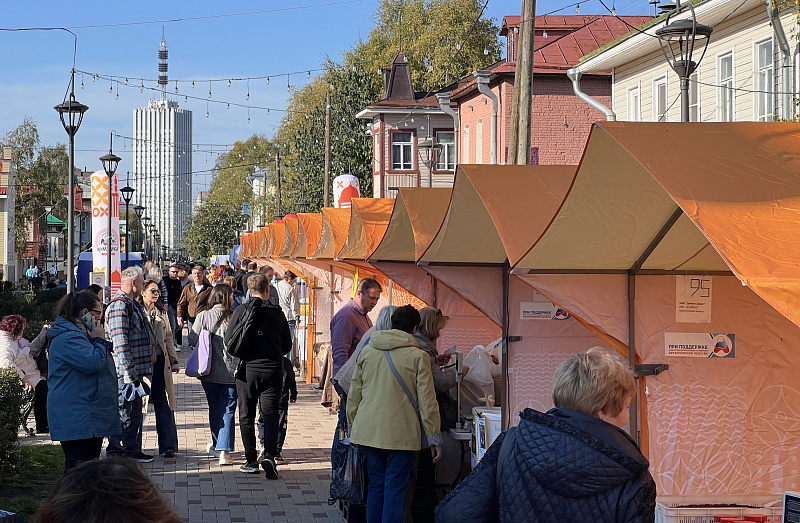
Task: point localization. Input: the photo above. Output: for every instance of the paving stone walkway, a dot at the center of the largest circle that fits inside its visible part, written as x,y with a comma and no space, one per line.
204,491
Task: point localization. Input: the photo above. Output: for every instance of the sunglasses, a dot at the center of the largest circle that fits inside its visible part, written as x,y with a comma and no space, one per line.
153,291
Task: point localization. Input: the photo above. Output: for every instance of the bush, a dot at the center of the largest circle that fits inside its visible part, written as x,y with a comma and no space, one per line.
10,417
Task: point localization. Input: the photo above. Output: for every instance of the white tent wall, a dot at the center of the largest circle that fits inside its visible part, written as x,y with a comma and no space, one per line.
533,360
721,425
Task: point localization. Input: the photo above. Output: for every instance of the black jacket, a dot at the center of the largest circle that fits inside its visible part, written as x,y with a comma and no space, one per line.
267,339
563,466
289,385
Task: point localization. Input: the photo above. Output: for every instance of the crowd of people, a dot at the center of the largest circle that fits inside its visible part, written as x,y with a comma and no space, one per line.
395,386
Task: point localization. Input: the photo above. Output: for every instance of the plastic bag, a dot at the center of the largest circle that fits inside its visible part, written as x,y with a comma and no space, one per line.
349,473
495,352
478,384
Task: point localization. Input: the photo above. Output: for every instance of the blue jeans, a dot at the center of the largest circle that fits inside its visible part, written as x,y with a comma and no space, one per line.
292,330
129,439
221,412
388,472
172,314
165,418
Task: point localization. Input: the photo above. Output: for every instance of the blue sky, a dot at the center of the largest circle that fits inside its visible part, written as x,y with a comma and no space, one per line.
296,35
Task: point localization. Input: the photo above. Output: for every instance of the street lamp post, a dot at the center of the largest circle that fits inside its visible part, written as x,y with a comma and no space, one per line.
139,210
71,113
47,210
127,195
680,38
146,227
110,163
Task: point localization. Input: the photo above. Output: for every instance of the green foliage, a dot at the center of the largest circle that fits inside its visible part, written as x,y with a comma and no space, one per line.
24,491
213,229
10,417
429,32
40,179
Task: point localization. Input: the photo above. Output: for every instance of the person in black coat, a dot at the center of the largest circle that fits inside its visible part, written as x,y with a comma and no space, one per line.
574,463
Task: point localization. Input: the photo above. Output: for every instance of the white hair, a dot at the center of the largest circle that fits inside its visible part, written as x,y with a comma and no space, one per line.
131,273
155,274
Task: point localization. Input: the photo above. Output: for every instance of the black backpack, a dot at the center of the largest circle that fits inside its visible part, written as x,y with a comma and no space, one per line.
233,340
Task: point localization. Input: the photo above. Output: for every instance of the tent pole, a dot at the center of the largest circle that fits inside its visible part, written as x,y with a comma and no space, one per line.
634,418
505,412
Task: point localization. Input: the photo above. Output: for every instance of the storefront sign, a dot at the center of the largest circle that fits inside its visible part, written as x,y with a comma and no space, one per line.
700,345
103,240
541,309
693,299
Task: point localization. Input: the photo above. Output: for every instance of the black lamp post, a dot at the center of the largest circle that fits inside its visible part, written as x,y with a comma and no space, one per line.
47,210
127,195
71,113
139,210
681,38
146,242
110,163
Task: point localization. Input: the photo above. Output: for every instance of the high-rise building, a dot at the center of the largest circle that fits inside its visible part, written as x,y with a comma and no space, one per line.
162,161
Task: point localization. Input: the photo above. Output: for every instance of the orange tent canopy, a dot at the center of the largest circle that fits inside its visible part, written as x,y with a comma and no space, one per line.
277,233
369,218
308,234
292,229
335,224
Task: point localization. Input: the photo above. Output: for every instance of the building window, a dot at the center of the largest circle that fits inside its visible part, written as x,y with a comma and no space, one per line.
401,152
446,155
466,144
479,142
660,99
694,97
634,107
764,82
725,82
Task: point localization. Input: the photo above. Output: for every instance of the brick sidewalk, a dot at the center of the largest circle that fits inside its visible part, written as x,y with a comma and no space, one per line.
202,491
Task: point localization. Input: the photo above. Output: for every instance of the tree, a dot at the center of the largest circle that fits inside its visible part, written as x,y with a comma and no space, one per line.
443,40
39,179
213,229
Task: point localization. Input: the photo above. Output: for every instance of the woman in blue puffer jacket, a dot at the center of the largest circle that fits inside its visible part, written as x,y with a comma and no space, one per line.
82,405
574,463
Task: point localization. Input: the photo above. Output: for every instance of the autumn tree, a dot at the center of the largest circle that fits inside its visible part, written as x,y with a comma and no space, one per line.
443,40
213,229
40,176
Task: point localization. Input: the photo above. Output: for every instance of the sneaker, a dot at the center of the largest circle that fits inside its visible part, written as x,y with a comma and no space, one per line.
141,457
279,460
169,454
249,468
177,348
261,454
270,468
211,450
225,458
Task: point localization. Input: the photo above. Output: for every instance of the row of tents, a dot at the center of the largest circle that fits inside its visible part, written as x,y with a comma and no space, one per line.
665,234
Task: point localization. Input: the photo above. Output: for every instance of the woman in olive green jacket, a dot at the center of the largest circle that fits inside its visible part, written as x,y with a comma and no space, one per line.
384,421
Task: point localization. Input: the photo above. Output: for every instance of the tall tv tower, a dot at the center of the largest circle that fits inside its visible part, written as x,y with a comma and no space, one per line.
162,66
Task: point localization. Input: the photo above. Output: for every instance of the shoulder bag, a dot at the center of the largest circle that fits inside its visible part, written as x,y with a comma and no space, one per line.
199,362
424,437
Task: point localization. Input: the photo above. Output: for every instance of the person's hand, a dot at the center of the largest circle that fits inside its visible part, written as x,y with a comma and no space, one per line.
297,320
97,330
175,369
436,452
44,329
464,370
293,401
27,385
180,322
443,359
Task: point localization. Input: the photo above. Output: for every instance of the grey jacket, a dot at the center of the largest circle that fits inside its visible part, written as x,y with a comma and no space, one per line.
443,380
219,371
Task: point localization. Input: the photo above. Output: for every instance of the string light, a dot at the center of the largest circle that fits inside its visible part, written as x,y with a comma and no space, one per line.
248,115
248,93
229,106
229,83
288,86
94,78
111,87
578,9
141,88
81,81
544,34
186,98
192,84
613,11
309,74
267,80
117,90
176,87
209,89
206,109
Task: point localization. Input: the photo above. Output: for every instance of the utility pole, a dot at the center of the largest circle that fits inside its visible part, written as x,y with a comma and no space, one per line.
327,190
520,140
278,215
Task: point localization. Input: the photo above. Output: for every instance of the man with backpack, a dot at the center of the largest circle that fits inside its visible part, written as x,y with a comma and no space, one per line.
258,335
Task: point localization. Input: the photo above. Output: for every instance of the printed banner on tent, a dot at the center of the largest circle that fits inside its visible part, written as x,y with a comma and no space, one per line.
541,309
700,345
102,240
693,299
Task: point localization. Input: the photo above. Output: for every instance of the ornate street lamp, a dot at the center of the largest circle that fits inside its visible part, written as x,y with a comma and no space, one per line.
71,113
127,195
110,163
681,38
47,210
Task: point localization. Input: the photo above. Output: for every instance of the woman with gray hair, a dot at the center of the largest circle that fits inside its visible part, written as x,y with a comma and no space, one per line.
345,374
573,463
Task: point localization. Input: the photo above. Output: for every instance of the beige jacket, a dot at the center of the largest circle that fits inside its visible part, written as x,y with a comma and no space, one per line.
17,355
381,413
161,336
